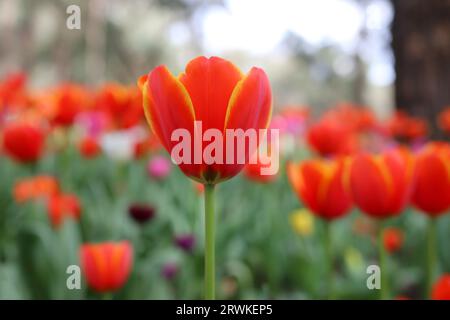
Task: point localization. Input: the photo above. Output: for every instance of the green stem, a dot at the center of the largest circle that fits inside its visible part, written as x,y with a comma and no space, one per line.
329,259
431,255
209,243
384,290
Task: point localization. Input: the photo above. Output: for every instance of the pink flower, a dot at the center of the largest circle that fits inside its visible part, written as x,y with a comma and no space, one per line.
158,167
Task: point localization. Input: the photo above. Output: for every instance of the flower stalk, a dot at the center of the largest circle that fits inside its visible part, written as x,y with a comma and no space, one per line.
431,255
209,242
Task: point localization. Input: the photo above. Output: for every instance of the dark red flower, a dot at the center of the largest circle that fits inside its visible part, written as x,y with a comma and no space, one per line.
141,213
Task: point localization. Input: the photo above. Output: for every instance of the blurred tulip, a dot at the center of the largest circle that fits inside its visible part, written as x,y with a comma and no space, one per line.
149,144
432,179
302,221
406,128
253,171
356,118
185,242
34,188
291,120
141,213
123,104
441,288
159,167
92,123
65,102
13,91
89,147
320,185
63,206
213,91
169,271
23,142
329,137
444,120
381,184
106,265
393,239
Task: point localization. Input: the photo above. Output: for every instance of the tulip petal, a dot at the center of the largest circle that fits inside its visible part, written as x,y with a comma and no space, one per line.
167,105
250,105
432,173
210,83
370,187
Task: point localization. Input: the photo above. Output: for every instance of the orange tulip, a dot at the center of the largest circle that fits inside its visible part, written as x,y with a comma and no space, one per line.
61,206
122,103
381,184
106,265
320,185
213,91
35,188
432,173
23,142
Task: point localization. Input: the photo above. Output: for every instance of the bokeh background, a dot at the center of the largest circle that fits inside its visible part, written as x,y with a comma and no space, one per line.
381,67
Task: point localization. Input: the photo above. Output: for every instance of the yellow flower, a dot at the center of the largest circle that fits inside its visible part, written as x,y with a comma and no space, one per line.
353,259
302,221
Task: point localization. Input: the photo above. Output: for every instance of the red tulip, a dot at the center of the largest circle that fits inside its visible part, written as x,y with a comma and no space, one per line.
61,206
393,239
381,184
89,147
320,185
331,137
444,120
65,102
253,171
432,173
23,142
407,128
214,92
441,289
106,265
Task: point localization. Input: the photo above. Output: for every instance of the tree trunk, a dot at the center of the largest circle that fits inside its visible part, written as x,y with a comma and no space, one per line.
421,45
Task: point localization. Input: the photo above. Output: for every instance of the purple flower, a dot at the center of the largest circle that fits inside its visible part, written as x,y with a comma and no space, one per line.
185,242
141,213
169,270
158,167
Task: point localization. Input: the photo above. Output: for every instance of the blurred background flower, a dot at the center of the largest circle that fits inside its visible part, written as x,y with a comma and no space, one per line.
80,169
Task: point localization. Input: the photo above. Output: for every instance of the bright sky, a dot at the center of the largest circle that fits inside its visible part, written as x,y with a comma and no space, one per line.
258,27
